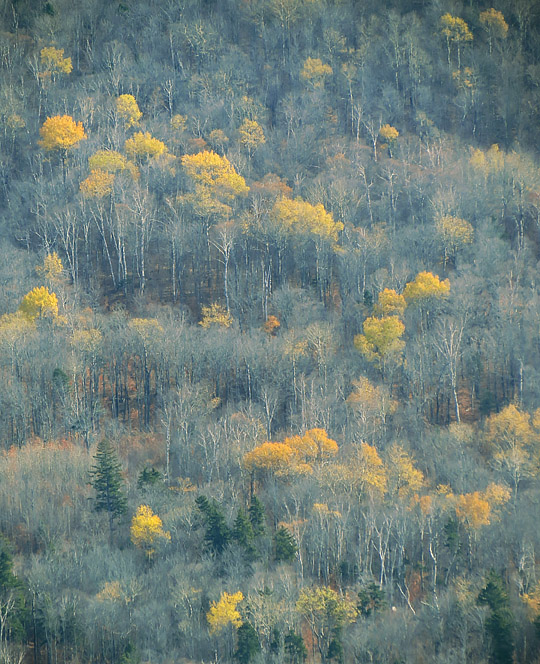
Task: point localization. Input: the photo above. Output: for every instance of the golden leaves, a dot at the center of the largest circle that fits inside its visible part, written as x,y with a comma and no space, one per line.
224,612
128,109
315,72
60,132
39,303
98,184
54,62
147,530
381,340
425,286
144,145
299,216
217,315
455,29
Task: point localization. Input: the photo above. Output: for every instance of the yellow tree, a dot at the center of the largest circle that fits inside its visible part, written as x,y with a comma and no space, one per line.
215,315
512,443
389,135
251,135
60,134
51,268
224,612
454,233
495,25
457,32
389,303
112,161
54,63
98,184
370,471
381,341
314,72
326,613
270,458
128,110
142,145
39,303
215,180
299,216
425,286
403,477
371,405
147,530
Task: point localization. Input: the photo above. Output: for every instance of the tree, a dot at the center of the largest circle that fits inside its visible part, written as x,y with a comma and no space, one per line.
326,613
457,32
389,303
257,516
217,534
389,135
215,315
314,72
112,161
285,547
39,303
52,59
128,110
147,530
299,216
494,24
51,269
381,341
500,623
60,134
142,145
98,184
454,233
424,287
251,135
248,644
224,612
242,533
108,483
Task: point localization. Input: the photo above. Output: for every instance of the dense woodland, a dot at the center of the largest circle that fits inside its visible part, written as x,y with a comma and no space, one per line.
269,331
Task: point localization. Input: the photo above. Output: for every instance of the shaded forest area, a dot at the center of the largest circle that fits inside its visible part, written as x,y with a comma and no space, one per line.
269,331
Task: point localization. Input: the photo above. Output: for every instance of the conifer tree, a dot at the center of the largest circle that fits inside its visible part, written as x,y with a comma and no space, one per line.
108,483
243,533
257,516
248,643
285,546
500,623
217,535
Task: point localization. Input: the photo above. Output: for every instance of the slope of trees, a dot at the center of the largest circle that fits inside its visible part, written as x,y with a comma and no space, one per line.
269,331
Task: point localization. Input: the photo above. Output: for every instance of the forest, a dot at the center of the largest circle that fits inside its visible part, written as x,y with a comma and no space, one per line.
269,331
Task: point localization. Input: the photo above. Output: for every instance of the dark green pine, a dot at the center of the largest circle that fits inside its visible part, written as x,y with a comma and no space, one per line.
108,482
248,643
285,546
257,516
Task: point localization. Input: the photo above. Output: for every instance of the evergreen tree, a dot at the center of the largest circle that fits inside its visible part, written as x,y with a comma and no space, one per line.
257,516
218,534
285,546
295,648
108,483
500,623
11,588
248,643
243,534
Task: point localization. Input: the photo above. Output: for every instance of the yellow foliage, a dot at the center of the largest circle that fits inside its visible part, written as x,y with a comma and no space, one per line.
322,510
143,145
455,29
464,78
13,327
179,122
147,329
372,473
128,110
426,285
214,176
473,509
54,62
147,530
299,216
389,303
271,325
215,314
87,341
224,612
60,132
218,137
314,71
497,494
111,592
324,606
110,161
494,22
381,339
98,184
455,233
532,602
51,269
509,429
39,303
251,134
269,457
14,121
491,161
403,477
389,133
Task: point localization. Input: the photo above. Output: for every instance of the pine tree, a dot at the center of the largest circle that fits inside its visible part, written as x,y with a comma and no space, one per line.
248,643
108,483
257,516
285,546
243,534
500,624
217,534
